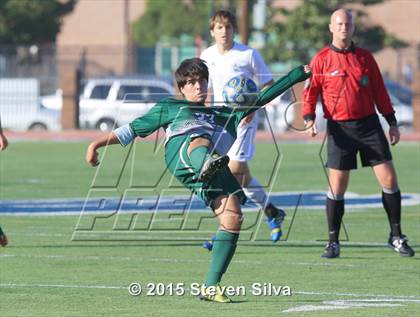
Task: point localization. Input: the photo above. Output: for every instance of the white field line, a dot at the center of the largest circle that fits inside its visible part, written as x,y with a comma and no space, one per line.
13,285
167,260
373,297
145,235
389,297
352,303
118,233
172,260
38,234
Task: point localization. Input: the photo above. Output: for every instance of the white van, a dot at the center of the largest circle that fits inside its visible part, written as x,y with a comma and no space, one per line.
21,109
107,103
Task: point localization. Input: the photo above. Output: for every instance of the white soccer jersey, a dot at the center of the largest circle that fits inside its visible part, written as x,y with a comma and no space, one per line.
240,60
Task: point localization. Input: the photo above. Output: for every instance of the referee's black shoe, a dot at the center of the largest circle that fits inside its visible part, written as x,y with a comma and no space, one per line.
331,251
399,244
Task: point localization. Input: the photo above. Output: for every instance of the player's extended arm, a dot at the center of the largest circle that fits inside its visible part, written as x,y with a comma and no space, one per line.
251,116
296,75
92,150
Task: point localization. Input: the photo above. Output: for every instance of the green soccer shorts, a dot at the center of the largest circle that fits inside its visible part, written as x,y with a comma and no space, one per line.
178,163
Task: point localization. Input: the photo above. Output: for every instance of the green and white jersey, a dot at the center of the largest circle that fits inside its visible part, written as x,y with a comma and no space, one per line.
181,117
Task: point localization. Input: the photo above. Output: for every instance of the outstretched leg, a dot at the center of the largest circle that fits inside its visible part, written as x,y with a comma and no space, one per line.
228,212
204,160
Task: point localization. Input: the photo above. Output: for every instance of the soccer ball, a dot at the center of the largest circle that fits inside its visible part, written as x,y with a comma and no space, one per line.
240,92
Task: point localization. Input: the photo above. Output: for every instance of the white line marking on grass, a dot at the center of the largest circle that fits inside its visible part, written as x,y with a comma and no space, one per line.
349,304
326,305
39,234
188,239
168,260
12,285
295,263
410,297
88,257
96,258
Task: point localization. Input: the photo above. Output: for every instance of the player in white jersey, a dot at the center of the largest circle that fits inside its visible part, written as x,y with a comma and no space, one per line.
227,59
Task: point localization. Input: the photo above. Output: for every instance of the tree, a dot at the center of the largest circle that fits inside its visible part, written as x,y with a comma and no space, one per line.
304,30
169,20
25,22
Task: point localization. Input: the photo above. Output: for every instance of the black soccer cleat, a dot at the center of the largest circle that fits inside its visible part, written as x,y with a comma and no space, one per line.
331,251
399,244
212,166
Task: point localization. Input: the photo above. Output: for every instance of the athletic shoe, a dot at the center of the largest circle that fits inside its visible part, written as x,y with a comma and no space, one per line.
210,167
3,240
208,245
400,245
332,250
213,294
274,223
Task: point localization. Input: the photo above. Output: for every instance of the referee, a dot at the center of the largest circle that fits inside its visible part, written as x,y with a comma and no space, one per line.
350,84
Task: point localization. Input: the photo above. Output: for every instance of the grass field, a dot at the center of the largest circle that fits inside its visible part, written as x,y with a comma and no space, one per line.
44,273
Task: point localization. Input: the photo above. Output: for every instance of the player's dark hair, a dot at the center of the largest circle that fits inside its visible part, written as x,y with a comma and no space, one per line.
222,16
191,68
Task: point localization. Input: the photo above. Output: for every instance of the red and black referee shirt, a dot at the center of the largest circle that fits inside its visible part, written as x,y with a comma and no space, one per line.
349,83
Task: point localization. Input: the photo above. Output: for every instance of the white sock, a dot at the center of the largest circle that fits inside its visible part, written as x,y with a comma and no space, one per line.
256,193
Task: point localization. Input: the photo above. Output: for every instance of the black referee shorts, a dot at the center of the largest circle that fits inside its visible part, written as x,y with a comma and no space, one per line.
346,138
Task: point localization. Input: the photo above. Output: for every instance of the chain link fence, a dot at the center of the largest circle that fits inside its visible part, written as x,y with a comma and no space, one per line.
50,65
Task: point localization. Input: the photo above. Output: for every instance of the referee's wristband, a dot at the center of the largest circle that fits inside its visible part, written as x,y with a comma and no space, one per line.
309,117
306,122
391,119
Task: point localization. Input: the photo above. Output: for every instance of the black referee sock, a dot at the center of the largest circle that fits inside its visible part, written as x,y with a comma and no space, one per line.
392,205
335,212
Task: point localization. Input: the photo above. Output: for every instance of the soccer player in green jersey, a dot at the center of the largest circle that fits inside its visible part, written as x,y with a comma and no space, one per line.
3,146
197,140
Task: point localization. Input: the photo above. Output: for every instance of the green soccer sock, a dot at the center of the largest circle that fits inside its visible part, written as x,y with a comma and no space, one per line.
232,252
198,156
224,247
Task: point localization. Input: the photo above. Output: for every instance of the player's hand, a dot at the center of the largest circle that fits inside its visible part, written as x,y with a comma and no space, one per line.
307,69
310,128
3,142
3,240
247,119
92,155
394,134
